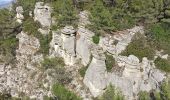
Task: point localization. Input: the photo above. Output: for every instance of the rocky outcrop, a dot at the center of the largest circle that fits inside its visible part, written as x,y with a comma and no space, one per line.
63,44
26,76
118,42
19,16
84,39
135,76
83,45
42,14
71,44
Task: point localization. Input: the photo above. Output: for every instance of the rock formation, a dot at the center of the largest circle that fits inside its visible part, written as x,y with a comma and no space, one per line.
19,16
42,14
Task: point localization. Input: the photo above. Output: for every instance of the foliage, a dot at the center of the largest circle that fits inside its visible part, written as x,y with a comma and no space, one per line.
140,48
28,5
108,18
96,39
8,30
64,12
62,93
45,43
110,62
31,27
53,63
165,90
143,95
82,71
159,34
162,64
112,93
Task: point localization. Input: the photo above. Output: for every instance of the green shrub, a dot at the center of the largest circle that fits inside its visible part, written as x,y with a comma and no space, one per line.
62,93
82,71
8,30
112,93
162,64
140,48
165,90
143,95
53,63
108,19
64,12
96,39
159,36
45,43
28,5
110,62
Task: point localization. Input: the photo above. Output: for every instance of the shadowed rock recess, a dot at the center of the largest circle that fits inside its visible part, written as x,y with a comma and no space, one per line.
75,62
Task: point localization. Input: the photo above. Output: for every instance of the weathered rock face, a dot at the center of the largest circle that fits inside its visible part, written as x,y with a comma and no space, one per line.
83,45
118,42
26,77
134,77
96,81
64,44
42,13
72,45
84,39
19,15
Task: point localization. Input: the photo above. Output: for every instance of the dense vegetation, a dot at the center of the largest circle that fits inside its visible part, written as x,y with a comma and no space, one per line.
62,93
8,30
111,93
159,35
139,47
110,62
162,64
96,39
64,12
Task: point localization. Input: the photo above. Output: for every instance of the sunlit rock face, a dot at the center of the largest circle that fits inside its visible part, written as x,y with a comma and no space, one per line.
5,3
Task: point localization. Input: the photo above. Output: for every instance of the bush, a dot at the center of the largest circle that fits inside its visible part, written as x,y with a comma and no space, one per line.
96,39
162,64
64,12
109,18
112,93
28,5
110,62
53,63
143,95
159,35
140,48
8,30
62,93
82,71
165,90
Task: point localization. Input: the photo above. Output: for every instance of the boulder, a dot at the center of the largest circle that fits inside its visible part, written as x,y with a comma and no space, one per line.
42,14
96,77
